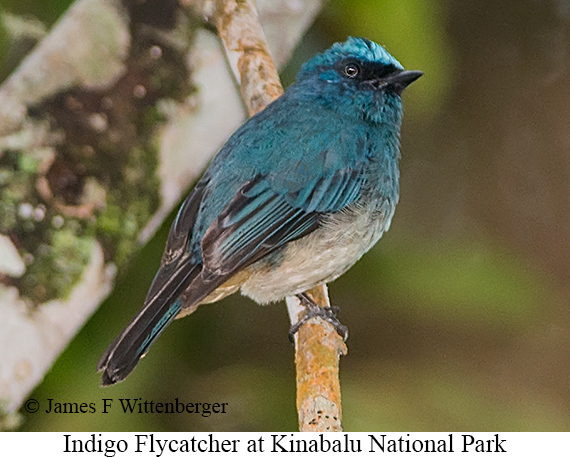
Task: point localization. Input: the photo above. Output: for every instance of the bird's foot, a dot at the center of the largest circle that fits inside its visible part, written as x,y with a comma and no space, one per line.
328,314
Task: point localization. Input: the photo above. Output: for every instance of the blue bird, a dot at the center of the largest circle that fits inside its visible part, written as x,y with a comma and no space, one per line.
293,199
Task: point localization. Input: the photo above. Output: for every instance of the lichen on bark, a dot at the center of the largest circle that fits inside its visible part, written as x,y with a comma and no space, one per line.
95,175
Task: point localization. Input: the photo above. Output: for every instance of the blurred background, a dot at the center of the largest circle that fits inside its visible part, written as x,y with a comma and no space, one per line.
459,317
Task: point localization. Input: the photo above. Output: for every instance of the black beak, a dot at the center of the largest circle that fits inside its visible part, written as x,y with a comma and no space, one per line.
399,80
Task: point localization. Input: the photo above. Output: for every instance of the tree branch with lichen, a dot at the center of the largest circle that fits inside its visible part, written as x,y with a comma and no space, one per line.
97,125
318,346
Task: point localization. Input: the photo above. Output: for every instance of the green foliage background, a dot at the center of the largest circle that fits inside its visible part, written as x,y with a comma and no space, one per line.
458,317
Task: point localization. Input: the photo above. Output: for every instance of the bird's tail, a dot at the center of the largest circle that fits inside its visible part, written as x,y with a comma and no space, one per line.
123,354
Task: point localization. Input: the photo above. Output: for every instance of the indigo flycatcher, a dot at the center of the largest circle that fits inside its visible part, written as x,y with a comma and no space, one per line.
293,199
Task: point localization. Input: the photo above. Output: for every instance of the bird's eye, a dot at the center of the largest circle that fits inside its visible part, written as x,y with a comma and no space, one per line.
352,70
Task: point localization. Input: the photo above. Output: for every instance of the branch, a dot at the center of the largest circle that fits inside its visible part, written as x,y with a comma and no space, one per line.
246,49
318,348
96,126
317,344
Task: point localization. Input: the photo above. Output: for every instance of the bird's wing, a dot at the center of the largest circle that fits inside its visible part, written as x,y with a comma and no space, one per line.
299,171
259,220
177,242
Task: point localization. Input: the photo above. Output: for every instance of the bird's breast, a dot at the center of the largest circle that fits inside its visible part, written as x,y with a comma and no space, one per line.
323,255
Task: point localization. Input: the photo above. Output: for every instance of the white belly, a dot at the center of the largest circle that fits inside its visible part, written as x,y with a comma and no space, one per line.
319,257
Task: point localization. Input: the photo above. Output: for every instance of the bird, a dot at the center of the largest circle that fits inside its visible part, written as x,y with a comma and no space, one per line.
291,201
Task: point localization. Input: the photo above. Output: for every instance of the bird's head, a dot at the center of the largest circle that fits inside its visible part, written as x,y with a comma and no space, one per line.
358,77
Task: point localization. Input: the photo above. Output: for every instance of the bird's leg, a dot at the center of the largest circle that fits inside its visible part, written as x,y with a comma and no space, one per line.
328,314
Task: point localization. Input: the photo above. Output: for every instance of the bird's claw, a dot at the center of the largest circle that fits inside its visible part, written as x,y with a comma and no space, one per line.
328,314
